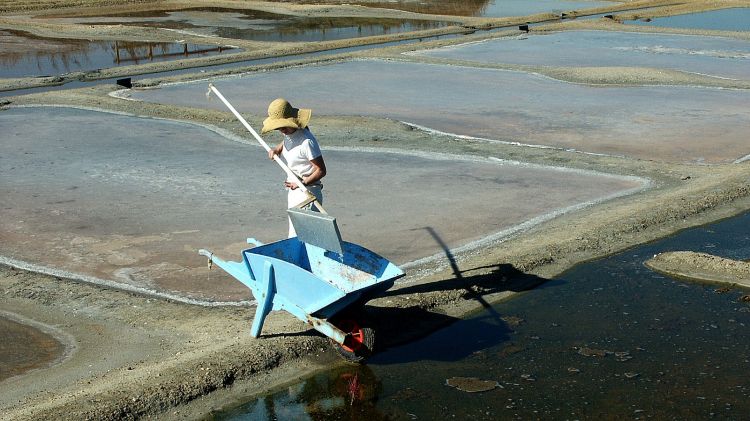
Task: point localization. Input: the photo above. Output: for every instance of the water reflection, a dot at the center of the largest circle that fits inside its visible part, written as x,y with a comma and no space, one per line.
24,55
349,393
434,7
488,8
261,26
608,339
318,29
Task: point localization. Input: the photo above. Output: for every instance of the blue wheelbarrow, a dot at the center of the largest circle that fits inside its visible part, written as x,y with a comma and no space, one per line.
316,277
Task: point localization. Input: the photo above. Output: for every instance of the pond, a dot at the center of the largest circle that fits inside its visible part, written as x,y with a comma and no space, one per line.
715,56
261,26
26,55
24,348
489,8
606,339
732,19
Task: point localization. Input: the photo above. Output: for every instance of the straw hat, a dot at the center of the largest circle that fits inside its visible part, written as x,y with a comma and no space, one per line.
282,114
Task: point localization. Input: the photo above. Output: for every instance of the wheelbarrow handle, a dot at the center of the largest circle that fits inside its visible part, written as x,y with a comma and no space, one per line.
239,270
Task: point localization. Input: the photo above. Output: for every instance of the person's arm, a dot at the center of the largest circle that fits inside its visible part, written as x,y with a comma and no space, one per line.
319,171
276,150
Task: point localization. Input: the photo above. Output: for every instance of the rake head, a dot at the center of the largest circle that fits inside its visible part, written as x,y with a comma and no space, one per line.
208,92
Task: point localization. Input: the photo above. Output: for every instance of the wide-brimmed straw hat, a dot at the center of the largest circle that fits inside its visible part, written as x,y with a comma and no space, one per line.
282,114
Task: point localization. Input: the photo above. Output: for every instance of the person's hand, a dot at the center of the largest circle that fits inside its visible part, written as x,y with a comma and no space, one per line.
290,185
271,154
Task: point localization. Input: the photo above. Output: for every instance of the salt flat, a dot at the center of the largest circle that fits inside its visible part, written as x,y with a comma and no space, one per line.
130,199
663,123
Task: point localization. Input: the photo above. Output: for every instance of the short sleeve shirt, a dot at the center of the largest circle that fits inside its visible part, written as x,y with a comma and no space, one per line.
300,148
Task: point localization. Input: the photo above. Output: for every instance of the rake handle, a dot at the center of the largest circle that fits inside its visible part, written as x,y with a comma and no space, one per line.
265,146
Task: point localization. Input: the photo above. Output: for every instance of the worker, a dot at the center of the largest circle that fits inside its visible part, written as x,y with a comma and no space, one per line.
300,151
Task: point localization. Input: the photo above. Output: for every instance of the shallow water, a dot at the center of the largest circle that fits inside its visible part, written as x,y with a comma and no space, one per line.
26,55
715,56
70,84
261,26
24,348
133,199
672,350
672,123
490,8
732,19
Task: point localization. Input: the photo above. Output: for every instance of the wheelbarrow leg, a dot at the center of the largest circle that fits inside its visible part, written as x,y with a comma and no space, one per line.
267,289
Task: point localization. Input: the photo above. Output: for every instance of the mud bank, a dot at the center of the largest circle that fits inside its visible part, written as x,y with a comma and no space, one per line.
701,267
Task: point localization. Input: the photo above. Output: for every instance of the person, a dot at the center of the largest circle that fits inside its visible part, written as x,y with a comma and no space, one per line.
299,149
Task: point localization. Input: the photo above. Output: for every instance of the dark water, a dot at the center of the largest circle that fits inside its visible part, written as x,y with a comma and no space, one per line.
733,19
264,26
671,350
80,83
487,8
25,55
24,348
329,29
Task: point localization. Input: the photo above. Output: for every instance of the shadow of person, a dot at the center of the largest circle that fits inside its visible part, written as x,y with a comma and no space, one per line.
502,277
465,336
404,331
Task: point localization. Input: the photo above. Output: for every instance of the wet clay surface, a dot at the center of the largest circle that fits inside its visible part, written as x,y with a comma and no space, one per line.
702,267
24,348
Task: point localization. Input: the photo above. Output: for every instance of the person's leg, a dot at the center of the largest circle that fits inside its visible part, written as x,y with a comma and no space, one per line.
316,191
293,198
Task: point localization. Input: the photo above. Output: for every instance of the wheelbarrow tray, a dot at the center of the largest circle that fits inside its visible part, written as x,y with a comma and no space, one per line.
319,281
310,282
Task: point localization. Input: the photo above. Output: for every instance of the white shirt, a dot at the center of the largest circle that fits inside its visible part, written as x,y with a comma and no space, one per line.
300,148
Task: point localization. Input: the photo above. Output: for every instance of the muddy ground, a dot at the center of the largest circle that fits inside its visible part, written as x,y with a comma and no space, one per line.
138,356
702,267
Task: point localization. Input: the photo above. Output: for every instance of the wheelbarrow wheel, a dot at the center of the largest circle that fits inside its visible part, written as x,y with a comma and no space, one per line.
359,343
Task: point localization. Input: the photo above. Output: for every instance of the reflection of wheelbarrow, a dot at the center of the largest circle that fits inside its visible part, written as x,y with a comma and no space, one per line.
318,278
